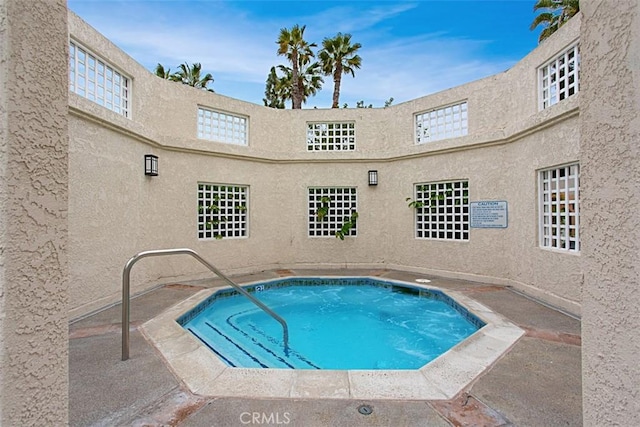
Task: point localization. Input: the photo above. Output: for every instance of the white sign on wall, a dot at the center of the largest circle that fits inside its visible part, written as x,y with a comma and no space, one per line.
489,214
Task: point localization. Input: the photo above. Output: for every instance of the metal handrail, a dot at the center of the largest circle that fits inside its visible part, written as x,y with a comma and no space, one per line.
126,298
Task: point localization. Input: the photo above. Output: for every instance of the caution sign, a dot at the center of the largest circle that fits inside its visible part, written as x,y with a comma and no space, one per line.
489,214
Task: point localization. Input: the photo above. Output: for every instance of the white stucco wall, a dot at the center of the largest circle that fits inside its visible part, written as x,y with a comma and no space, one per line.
33,213
115,211
610,130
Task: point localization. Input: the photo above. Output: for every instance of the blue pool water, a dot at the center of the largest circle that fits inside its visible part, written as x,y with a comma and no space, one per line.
345,323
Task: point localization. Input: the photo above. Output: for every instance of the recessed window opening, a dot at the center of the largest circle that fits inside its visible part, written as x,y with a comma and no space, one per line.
222,211
329,209
442,123
222,127
560,77
559,191
95,79
442,210
331,136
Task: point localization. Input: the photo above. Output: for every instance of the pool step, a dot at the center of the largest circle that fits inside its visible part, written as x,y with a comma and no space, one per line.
251,348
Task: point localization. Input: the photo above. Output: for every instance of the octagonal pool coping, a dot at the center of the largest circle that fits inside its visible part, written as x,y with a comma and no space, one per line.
441,379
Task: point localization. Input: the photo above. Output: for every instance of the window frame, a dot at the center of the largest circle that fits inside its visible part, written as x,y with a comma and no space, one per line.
558,212
329,142
81,83
458,126
438,191
551,77
339,210
230,134
210,224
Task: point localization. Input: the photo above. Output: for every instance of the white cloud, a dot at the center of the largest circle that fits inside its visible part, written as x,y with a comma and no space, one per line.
419,66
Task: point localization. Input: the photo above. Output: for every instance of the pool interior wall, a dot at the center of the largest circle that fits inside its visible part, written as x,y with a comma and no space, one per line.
345,323
320,281
204,373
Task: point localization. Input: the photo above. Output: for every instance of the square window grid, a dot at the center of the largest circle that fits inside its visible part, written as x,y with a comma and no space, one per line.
442,123
222,127
95,79
330,209
559,190
334,136
560,77
222,211
442,210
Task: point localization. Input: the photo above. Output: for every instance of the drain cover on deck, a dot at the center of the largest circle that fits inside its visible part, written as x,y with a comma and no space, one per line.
365,409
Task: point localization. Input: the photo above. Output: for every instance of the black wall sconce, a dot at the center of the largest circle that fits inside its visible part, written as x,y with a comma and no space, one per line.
150,165
373,177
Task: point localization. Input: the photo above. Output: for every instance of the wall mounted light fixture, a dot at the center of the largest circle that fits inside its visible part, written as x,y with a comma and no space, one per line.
150,165
373,177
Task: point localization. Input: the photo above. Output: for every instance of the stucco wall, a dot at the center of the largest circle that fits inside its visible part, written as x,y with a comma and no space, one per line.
610,130
115,211
33,217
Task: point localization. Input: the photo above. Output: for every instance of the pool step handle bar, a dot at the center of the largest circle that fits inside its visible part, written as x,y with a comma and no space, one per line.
126,273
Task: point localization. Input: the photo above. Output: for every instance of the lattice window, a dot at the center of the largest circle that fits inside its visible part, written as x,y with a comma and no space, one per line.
560,77
222,127
330,210
442,210
95,79
222,211
558,191
442,123
333,136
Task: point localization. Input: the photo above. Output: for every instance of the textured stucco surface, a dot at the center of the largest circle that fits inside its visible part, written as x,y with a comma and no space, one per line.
112,211
610,129
33,217
115,211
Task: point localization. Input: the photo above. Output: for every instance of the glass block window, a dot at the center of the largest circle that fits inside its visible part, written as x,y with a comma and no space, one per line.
333,136
558,192
442,123
222,211
330,209
560,77
95,79
442,210
222,127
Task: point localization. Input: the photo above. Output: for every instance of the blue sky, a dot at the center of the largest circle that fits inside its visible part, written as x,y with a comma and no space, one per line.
409,48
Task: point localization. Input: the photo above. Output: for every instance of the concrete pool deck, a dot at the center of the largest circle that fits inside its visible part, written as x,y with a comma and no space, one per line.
536,382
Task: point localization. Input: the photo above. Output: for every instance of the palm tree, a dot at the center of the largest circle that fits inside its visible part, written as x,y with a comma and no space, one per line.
284,84
162,73
275,92
338,56
556,13
297,50
309,80
190,75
